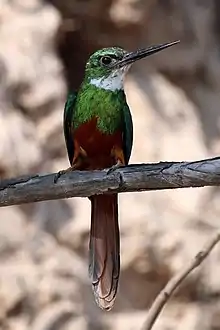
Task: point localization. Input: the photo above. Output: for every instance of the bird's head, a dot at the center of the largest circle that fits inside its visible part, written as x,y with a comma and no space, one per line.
107,67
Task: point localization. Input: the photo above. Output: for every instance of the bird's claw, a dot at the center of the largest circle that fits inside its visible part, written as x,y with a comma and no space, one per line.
113,168
58,175
69,169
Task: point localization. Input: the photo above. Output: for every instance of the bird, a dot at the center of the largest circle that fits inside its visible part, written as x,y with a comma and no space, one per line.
98,132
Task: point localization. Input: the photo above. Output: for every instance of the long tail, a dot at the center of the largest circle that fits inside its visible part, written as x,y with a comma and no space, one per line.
104,249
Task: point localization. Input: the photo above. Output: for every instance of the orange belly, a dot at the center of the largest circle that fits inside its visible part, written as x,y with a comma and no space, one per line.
97,145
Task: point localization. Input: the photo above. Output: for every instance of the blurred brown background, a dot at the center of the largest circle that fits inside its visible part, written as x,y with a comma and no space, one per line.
175,101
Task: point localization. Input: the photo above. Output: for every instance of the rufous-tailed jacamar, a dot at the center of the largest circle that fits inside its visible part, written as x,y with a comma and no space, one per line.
99,134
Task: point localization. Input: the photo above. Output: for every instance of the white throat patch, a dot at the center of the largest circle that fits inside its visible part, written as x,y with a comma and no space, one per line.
112,83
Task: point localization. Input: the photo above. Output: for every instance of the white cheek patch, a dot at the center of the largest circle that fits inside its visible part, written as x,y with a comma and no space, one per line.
113,82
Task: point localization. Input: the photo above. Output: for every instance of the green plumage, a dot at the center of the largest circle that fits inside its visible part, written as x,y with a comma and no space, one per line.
109,107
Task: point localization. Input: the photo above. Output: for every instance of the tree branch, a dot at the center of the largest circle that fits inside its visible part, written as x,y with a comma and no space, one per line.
164,175
175,282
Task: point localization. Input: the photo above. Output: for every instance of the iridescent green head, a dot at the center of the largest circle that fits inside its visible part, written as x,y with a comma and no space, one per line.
107,67
101,63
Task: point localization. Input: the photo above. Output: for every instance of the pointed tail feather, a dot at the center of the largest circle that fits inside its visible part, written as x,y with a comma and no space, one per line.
104,249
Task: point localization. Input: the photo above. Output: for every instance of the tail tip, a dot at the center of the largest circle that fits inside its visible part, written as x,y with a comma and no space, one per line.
104,304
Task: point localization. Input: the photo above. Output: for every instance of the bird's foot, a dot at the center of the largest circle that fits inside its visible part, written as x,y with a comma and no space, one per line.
74,167
58,175
115,167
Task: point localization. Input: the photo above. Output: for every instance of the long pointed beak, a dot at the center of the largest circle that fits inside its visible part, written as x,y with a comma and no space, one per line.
132,57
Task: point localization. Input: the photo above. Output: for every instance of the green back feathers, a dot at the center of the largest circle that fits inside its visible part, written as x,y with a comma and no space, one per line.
67,124
127,133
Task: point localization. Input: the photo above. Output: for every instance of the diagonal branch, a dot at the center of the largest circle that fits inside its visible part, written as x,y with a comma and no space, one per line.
175,282
164,175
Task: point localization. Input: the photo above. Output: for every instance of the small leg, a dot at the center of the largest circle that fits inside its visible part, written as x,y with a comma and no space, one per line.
115,167
118,154
79,155
69,169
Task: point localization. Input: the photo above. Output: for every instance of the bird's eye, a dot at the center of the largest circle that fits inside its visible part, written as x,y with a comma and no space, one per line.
106,60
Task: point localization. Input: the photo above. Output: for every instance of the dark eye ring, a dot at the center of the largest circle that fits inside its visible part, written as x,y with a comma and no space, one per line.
106,60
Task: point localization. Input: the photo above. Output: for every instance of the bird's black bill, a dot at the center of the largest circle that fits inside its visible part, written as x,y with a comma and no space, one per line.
141,53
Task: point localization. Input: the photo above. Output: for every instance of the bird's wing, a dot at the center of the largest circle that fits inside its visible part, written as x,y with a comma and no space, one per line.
127,133
67,124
